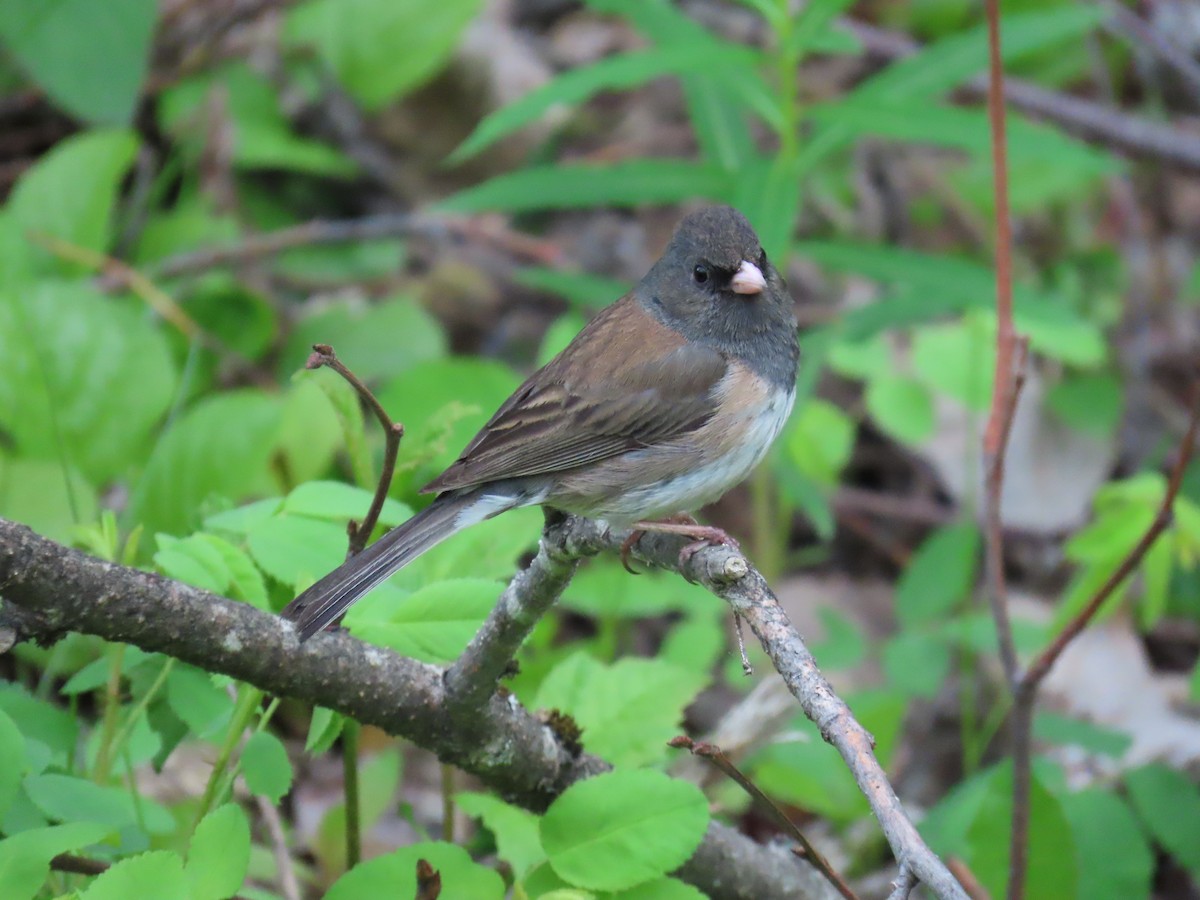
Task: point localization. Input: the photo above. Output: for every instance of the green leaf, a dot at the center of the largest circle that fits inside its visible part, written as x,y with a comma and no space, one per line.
577,288
49,497
605,590
266,767
323,729
1053,869
951,61
619,829
954,358
42,723
916,664
628,711
340,502
619,72
515,829
818,441
14,762
1168,804
379,49
260,133
395,875
200,704
843,646
311,431
25,857
442,403
219,854
434,623
635,183
947,284
662,889
90,58
69,799
901,407
83,379
1114,859
377,341
192,560
1060,729
1088,402
71,191
157,874
939,577
220,448
866,358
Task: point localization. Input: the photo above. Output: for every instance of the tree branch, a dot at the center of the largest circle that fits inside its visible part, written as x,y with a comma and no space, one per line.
509,749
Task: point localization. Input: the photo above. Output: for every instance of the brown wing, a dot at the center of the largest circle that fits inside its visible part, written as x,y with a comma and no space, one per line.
591,402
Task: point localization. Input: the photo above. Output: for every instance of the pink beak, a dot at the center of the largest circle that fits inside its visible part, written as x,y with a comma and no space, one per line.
748,279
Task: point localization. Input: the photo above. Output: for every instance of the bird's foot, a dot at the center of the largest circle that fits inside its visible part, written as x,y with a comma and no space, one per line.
702,535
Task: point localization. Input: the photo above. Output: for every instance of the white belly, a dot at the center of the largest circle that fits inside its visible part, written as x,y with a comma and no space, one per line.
756,430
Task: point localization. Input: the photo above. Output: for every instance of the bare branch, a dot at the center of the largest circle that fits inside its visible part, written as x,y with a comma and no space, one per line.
510,750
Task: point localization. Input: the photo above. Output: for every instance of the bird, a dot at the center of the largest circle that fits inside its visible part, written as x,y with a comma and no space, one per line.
665,400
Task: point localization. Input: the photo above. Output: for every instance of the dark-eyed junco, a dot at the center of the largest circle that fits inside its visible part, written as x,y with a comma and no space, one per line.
667,399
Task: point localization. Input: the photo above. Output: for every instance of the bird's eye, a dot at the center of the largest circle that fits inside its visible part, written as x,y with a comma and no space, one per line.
700,273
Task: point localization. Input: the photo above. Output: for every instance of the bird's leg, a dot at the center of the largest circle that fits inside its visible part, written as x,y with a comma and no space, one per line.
684,524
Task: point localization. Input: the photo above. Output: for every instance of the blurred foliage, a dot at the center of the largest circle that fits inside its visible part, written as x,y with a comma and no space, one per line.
164,423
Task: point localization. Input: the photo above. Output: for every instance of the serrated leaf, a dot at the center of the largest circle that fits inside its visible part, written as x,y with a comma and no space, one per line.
619,829
515,829
323,729
199,703
340,502
90,58
266,767
25,857
219,854
157,874
294,549
395,875
579,186
628,711
434,623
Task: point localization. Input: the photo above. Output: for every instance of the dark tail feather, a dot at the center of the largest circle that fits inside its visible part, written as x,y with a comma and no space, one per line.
313,610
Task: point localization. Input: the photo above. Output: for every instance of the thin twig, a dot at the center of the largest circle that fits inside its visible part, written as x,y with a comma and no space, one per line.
1044,662
360,533
289,885
717,757
84,865
409,699
903,884
1128,24
319,232
1007,381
